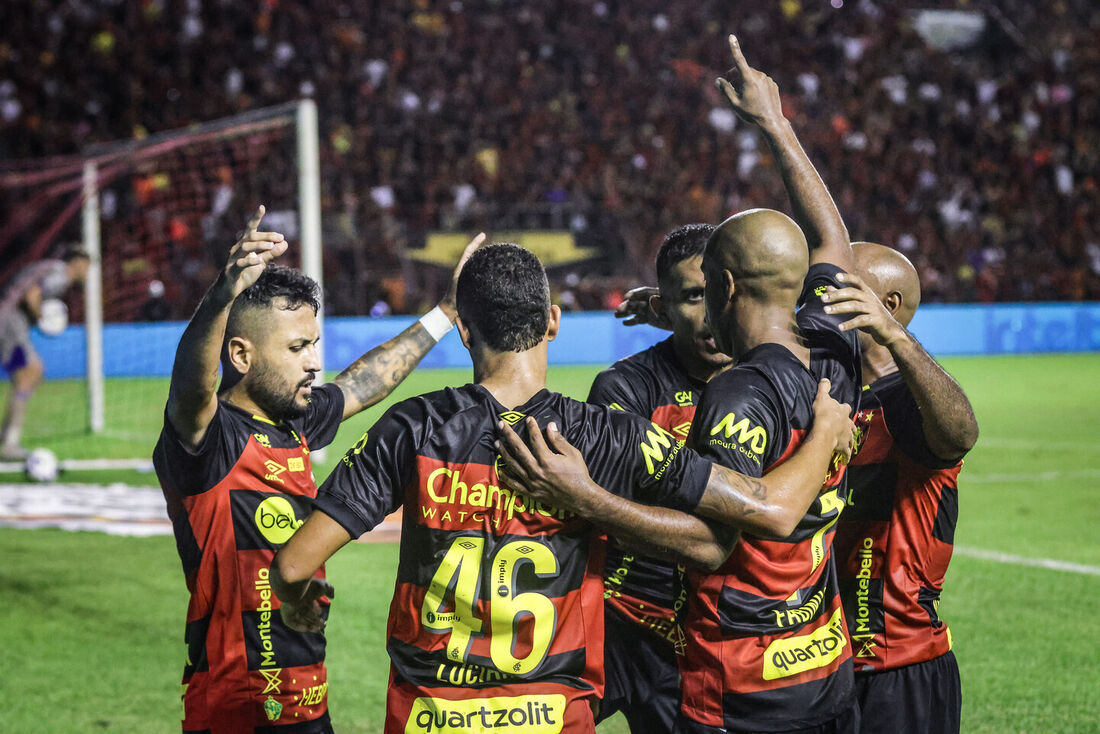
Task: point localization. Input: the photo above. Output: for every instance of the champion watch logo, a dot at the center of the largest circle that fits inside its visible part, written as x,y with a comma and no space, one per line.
512,417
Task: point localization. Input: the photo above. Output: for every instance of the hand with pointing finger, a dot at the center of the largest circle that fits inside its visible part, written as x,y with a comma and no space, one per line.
753,94
251,254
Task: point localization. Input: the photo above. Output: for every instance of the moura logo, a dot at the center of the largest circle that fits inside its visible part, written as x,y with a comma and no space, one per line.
276,520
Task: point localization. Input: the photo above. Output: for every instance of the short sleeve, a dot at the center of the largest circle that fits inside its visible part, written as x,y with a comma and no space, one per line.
739,423
188,471
906,426
367,483
326,411
637,459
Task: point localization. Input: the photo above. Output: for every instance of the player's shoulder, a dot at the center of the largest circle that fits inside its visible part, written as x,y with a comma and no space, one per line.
767,368
819,277
639,381
643,365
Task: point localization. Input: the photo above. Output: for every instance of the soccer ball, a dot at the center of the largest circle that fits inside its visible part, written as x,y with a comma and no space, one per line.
42,465
53,317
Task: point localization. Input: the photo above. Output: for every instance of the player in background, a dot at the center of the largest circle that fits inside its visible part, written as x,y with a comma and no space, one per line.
664,384
894,540
20,307
234,466
497,615
767,649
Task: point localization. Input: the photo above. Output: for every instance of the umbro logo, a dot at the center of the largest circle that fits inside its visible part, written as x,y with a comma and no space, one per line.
512,417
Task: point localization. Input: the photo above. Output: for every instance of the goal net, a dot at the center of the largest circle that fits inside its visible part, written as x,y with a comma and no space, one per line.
158,216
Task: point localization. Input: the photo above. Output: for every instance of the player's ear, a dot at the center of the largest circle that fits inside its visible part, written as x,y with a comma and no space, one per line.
239,352
463,332
553,323
729,285
893,302
656,304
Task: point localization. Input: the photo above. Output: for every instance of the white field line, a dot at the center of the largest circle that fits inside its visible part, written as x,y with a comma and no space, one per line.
1047,563
1051,475
1023,443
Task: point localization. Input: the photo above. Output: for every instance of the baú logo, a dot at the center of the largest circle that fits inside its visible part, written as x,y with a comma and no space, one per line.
276,520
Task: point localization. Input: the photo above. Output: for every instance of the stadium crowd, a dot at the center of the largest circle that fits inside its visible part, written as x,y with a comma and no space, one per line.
980,163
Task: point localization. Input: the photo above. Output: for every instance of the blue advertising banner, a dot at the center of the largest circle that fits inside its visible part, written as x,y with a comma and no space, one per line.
147,350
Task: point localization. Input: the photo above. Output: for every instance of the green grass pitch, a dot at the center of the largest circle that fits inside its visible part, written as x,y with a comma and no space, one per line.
92,625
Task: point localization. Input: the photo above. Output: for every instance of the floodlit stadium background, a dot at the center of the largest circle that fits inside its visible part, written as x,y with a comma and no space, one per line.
970,141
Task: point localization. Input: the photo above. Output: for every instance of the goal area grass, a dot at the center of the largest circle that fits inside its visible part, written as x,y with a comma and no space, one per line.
92,625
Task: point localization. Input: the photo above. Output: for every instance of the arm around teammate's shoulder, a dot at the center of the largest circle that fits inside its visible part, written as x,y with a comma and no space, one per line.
554,472
773,505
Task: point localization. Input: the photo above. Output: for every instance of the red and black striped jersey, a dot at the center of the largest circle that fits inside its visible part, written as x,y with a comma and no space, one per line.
895,539
767,648
652,384
233,501
495,590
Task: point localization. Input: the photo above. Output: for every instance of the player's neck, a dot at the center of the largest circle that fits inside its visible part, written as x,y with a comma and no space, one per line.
512,377
239,397
877,363
764,323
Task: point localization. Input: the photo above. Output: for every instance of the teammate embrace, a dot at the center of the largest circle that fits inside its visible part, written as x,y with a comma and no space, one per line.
716,461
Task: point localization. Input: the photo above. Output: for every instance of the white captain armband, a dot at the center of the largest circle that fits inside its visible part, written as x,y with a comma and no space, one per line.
436,323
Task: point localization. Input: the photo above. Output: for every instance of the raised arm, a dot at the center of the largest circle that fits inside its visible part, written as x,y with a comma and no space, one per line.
755,98
947,418
373,376
192,394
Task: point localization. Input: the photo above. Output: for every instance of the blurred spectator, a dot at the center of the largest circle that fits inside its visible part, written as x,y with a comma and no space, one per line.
155,307
975,148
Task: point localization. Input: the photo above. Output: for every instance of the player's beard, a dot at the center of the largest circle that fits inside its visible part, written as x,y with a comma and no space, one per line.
275,395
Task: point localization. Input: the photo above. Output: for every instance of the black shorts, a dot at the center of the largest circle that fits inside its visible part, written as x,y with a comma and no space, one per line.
917,699
642,677
845,723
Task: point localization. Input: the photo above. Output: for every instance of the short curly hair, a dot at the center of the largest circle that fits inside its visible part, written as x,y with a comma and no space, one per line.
277,287
504,298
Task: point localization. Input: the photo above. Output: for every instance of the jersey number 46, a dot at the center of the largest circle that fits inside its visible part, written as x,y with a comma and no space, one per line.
460,572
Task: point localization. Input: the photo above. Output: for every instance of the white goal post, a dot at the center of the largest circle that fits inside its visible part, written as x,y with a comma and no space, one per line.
302,115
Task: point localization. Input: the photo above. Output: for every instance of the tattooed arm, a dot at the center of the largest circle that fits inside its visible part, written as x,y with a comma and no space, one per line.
773,505
373,376
554,472
559,477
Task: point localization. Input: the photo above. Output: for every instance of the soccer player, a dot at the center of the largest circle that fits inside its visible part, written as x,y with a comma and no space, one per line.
664,384
20,307
497,615
767,649
894,540
234,465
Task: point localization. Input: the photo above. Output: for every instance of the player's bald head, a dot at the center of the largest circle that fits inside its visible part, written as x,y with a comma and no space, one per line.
763,249
891,276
